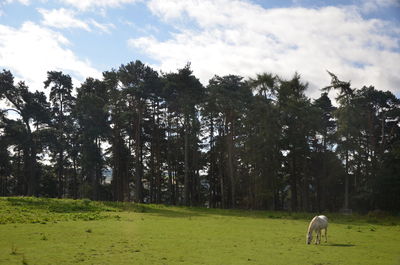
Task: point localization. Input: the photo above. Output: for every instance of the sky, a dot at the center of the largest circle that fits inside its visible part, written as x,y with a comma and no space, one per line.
357,40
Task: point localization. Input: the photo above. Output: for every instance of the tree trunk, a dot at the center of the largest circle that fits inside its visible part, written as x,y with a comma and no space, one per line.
231,166
186,199
211,177
74,180
346,184
151,177
171,189
29,164
31,185
293,184
138,154
116,176
221,170
158,170
60,173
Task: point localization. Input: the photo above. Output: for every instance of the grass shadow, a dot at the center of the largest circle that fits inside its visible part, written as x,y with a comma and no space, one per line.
184,211
88,206
170,211
340,245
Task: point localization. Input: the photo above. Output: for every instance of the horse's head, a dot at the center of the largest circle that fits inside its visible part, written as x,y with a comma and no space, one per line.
309,238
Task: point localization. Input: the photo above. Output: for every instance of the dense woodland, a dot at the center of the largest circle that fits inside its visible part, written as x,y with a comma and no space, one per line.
257,143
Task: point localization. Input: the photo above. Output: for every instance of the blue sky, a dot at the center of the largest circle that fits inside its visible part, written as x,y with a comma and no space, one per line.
357,40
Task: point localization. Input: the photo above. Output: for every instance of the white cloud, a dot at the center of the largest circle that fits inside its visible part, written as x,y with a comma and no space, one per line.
99,6
65,18
95,4
147,29
368,6
30,51
62,18
237,37
24,2
106,28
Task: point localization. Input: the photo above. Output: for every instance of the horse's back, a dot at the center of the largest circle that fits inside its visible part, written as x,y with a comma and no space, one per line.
323,219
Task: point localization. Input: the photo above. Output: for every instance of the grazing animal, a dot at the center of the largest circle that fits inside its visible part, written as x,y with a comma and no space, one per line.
317,224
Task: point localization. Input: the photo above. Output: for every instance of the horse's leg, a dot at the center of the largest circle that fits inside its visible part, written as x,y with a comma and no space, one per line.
316,237
319,238
326,235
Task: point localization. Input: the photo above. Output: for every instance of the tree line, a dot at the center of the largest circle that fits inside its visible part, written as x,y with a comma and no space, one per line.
257,143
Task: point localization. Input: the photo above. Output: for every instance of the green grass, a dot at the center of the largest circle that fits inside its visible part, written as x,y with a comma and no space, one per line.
51,231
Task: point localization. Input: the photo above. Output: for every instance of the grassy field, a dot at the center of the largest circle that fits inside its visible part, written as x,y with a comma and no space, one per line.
51,231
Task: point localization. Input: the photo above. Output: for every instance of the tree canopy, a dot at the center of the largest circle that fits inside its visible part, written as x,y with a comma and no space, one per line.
256,143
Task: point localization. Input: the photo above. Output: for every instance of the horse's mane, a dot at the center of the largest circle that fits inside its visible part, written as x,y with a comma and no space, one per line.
311,223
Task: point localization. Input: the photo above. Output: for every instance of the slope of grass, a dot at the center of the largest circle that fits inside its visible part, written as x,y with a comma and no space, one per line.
44,210
124,233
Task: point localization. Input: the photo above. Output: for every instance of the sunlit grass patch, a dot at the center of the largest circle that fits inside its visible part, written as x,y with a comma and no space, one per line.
127,233
45,210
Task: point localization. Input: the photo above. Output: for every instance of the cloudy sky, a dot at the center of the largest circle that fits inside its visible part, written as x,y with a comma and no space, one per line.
358,40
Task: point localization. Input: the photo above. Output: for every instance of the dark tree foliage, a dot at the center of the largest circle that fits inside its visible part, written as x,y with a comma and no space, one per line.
91,117
261,143
61,105
20,137
183,94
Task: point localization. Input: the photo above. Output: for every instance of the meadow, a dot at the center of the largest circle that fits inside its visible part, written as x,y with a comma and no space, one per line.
53,231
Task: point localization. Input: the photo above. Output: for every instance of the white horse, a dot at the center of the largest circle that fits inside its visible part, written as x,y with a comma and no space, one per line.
317,224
